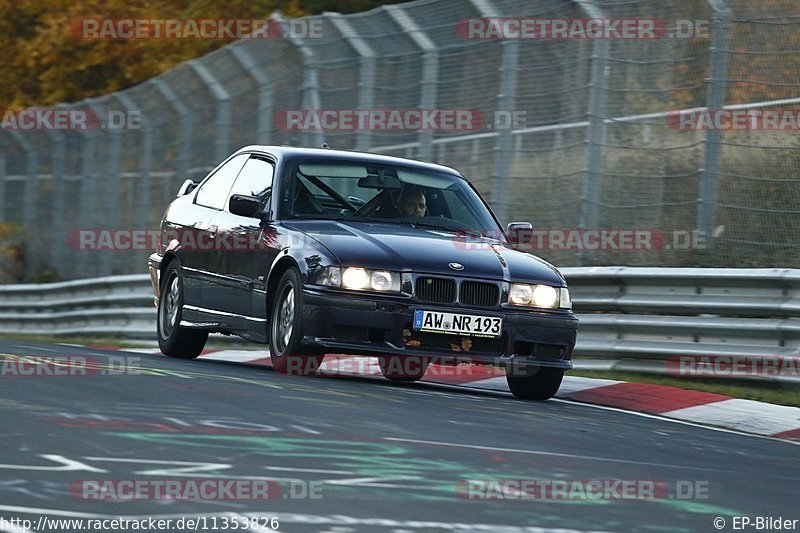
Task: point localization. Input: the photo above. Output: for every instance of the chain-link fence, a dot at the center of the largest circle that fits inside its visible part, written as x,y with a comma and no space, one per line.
596,149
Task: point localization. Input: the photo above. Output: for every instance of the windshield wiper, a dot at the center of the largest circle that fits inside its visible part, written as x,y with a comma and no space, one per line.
447,228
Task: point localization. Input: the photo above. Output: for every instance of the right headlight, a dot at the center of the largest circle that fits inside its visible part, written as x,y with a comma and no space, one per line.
542,296
361,279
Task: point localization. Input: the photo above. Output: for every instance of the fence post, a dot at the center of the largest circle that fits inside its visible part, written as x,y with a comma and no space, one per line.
311,98
223,98
145,157
715,100
430,72
184,152
596,131
58,235
366,72
264,119
2,186
29,199
108,212
506,100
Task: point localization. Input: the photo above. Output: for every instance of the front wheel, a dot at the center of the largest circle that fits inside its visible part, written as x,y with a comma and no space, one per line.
285,349
175,340
538,383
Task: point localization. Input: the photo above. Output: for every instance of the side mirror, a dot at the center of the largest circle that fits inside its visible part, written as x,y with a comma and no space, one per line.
187,187
519,233
244,206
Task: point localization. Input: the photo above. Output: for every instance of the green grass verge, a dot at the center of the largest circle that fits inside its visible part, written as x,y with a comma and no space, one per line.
778,393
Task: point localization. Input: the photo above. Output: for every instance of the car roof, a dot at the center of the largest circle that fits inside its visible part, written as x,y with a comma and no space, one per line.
292,152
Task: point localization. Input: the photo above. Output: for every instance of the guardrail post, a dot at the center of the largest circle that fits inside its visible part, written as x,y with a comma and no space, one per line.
311,98
430,72
715,100
184,152
223,98
366,72
596,132
264,119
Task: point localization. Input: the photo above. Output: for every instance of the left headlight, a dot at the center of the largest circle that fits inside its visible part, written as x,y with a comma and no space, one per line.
542,296
361,279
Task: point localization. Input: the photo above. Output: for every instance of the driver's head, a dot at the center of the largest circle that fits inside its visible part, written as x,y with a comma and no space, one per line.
412,203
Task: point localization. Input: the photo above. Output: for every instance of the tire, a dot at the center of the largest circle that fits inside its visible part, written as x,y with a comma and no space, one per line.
173,339
286,352
540,383
406,369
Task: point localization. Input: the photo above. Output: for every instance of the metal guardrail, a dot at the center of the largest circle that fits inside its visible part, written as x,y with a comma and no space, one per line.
118,306
627,314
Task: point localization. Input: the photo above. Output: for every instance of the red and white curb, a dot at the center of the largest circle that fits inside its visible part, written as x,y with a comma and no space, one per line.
698,407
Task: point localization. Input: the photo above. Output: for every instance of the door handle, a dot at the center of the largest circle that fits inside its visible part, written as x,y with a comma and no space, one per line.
212,230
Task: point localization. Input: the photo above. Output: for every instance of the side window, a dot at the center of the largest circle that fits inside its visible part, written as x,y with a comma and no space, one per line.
214,191
255,179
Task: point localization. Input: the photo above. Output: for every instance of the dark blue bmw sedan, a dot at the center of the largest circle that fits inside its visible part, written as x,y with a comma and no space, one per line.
318,251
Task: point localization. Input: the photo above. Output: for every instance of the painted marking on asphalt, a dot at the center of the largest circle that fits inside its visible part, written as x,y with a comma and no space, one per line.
67,465
566,455
305,429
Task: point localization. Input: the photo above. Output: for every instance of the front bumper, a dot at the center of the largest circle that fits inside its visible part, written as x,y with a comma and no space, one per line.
154,267
381,325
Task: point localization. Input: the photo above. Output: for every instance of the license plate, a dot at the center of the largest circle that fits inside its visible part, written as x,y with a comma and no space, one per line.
457,324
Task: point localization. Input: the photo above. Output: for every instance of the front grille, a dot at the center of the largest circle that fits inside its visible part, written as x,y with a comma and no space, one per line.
479,294
436,290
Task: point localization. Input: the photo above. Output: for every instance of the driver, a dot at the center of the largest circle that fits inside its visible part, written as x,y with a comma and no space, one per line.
412,203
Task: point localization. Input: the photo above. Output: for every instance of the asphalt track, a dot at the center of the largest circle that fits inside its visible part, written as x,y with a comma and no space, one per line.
376,456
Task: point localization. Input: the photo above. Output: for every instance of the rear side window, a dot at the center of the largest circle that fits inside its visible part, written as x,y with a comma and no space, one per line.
214,191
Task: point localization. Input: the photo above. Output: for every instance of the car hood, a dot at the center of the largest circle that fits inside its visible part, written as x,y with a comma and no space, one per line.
401,247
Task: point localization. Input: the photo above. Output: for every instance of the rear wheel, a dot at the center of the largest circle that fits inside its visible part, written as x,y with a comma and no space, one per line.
406,369
286,350
537,383
175,340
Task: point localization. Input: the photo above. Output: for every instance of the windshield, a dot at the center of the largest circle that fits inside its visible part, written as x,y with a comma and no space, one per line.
337,190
